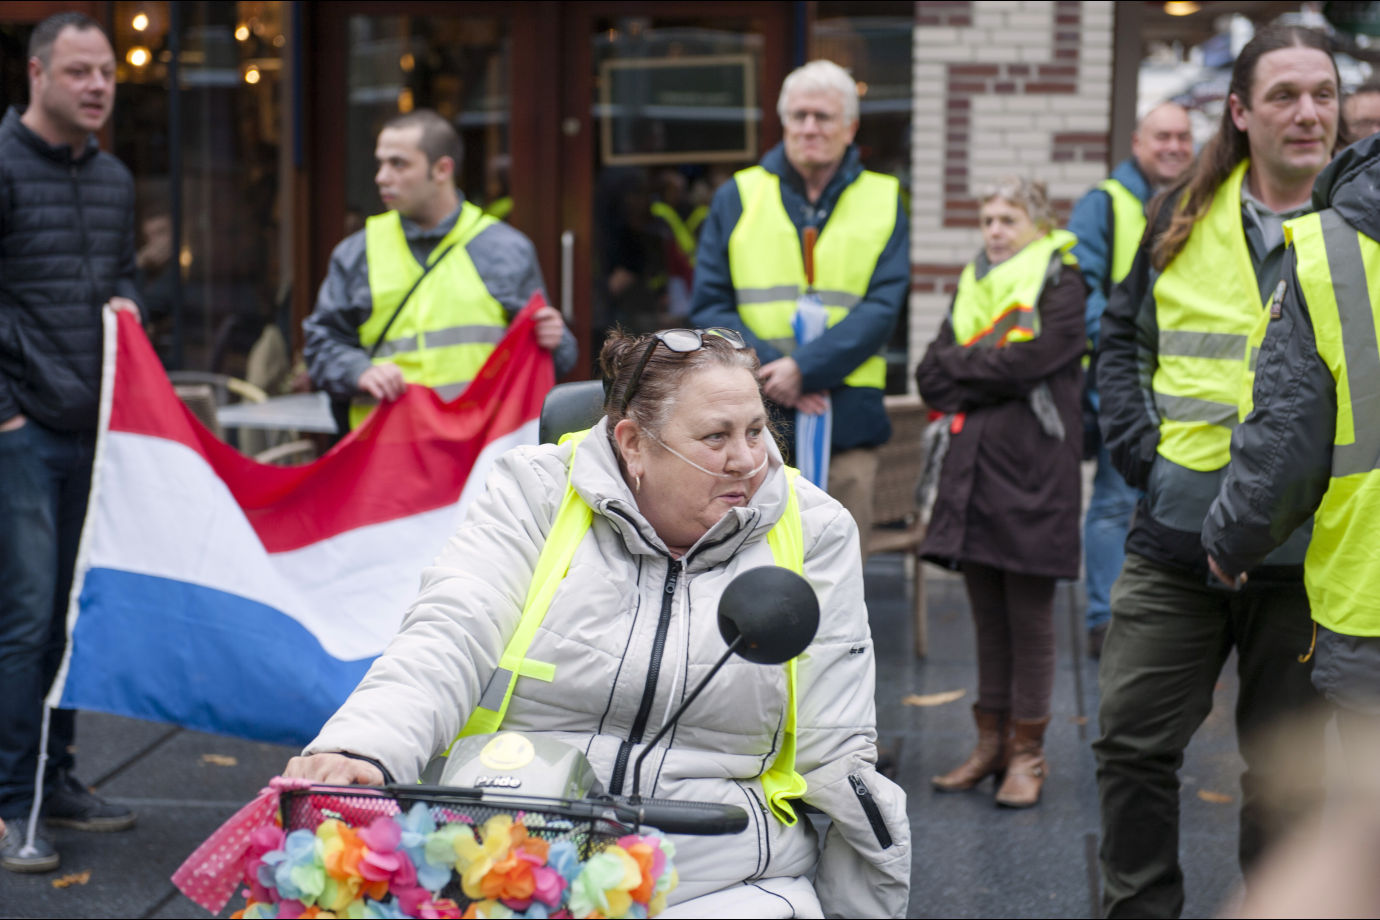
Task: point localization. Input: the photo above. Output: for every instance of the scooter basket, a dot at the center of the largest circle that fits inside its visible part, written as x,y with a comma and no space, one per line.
432,852
551,820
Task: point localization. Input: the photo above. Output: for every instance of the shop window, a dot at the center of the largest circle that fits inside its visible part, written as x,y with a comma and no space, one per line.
456,66
874,42
199,121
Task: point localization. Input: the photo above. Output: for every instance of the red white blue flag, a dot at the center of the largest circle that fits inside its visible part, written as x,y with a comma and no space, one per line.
225,595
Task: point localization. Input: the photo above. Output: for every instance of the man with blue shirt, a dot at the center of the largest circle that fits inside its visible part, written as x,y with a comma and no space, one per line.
1109,222
810,229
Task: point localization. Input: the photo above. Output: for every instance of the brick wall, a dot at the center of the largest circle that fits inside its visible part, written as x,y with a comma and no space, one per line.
1001,87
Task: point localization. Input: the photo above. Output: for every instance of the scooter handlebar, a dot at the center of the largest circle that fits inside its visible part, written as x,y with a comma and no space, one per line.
676,817
672,816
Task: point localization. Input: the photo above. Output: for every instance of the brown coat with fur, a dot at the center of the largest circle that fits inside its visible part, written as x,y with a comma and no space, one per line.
1009,494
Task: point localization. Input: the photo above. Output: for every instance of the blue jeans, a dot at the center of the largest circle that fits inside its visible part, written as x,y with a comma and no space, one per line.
46,477
1104,535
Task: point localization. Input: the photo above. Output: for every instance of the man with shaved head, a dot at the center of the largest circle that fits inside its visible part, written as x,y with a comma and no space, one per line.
1109,222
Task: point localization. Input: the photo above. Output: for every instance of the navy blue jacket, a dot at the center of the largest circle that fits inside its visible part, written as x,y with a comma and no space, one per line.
66,247
1094,225
859,415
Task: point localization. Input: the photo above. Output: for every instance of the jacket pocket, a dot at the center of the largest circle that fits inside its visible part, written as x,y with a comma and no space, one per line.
870,808
758,824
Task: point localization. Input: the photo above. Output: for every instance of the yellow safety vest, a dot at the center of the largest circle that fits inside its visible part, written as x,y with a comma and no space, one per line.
767,265
1339,276
780,783
1207,303
685,237
450,324
696,218
500,208
1128,226
1000,307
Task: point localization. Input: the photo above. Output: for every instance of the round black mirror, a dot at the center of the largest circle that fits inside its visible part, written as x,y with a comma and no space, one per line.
773,609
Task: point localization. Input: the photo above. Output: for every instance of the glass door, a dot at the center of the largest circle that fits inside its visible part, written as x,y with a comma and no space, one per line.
665,107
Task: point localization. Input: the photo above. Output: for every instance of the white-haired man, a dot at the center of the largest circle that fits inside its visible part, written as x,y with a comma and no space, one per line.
809,224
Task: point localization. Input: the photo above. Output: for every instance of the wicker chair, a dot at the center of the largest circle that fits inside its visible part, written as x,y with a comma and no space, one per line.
896,521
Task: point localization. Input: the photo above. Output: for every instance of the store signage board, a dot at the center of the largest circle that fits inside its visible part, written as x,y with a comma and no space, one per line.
678,110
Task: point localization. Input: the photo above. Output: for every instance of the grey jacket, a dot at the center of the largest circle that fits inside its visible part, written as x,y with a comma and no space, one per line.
624,599
505,260
1281,456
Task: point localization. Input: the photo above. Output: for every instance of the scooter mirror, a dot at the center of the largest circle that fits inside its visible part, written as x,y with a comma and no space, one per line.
773,609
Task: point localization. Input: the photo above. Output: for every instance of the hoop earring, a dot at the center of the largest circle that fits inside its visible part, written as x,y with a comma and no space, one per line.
637,483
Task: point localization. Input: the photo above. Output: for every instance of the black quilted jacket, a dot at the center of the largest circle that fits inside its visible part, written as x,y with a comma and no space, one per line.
66,247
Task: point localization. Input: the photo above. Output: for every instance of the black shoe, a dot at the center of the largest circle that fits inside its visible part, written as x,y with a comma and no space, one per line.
1096,636
71,804
13,857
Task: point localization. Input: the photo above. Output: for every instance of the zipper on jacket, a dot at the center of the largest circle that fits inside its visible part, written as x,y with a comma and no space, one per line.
85,243
870,808
644,711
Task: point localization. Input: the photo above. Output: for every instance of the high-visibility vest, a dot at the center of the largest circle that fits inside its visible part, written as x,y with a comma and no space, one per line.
451,323
1000,307
500,208
1128,226
684,236
1207,303
1339,277
780,783
767,265
696,218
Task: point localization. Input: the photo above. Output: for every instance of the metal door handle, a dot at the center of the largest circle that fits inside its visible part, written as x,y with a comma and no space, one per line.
568,276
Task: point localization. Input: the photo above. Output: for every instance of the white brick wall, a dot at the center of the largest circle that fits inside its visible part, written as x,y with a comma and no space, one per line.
1006,133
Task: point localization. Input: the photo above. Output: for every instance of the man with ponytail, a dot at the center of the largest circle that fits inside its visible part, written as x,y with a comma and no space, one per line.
1172,359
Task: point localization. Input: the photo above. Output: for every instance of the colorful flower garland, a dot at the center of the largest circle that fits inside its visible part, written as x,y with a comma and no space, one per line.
398,865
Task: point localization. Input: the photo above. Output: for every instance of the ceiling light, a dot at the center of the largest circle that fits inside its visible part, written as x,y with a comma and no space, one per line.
140,22
138,55
1182,7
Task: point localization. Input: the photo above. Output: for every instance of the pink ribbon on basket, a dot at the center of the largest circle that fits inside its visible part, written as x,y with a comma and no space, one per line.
210,874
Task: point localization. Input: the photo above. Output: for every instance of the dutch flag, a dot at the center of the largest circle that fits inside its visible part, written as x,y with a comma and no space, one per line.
223,595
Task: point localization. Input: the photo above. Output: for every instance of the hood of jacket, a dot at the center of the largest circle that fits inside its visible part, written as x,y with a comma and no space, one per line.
1351,185
598,479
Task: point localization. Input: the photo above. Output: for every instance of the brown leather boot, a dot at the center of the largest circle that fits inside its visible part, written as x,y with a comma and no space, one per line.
987,759
1025,775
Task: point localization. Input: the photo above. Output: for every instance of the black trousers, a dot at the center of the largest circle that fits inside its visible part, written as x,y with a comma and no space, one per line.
1170,634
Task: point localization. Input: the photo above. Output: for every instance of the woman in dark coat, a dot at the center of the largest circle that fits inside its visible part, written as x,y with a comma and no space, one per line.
1006,370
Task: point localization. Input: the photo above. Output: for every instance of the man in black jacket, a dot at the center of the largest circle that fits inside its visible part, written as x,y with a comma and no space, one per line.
66,252
1171,359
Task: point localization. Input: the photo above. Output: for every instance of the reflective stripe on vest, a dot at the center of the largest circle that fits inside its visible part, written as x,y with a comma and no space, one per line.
780,782
448,328
1207,302
768,267
1128,226
1339,276
1000,307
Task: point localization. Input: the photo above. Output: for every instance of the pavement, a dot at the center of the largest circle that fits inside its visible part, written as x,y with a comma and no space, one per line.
970,859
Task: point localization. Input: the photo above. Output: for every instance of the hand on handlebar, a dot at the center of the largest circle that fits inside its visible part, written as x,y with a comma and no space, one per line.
334,770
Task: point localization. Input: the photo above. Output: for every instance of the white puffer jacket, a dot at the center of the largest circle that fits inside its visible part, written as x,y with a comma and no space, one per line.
631,631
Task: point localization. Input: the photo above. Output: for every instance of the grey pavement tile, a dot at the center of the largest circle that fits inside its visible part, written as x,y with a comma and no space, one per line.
972,859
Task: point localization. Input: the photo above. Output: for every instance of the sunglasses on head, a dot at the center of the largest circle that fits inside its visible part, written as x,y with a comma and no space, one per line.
680,341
